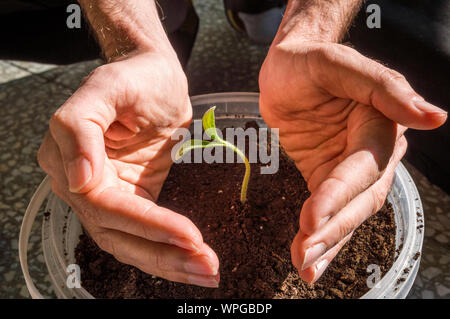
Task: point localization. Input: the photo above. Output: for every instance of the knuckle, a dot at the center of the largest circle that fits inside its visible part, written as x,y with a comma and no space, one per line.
294,257
42,159
297,256
302,247
400,150
315,58
403,144
99,71
93,74
147,232
182,113
161,263
387,76
401,130
344,228
103,73
309,217
319,52
347,189
105,243
58,121
335,54
378,195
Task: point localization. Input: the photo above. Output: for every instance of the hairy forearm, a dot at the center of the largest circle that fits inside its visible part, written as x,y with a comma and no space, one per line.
123,27
321,20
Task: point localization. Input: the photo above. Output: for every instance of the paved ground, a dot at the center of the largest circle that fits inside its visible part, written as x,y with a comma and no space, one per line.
221,61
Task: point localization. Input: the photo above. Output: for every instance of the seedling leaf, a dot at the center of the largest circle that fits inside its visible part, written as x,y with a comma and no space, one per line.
209,126
209,123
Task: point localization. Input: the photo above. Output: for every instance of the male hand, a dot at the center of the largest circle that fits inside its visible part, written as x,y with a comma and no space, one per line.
341,118
108,153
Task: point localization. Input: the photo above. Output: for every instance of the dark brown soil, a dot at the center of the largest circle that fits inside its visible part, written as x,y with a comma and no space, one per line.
252,241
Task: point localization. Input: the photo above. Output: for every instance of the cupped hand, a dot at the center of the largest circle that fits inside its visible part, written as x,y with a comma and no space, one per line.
341,118
108,153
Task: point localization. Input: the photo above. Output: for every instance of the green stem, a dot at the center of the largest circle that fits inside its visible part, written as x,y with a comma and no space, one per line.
247,169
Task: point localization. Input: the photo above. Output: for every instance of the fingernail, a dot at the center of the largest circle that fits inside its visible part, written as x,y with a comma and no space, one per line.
204,281
183,243
79,173
320,268
200,265
426,107
312,254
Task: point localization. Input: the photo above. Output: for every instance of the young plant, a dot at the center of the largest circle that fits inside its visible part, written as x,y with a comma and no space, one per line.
209,125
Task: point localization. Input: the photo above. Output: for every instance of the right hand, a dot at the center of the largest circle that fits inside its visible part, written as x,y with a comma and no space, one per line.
341,118
108,154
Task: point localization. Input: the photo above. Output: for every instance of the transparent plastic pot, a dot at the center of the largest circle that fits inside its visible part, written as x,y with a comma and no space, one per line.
61,229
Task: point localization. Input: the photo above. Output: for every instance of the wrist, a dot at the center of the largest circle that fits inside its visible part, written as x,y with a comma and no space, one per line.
137,41
124,30
142,49
316,20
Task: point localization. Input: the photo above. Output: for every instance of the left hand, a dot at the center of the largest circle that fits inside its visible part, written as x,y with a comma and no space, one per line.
108,152
341,118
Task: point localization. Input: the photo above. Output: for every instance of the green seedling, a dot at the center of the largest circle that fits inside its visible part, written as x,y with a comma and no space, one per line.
209,125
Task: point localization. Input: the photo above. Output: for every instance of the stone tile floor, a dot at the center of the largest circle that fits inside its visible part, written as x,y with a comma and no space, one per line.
222,61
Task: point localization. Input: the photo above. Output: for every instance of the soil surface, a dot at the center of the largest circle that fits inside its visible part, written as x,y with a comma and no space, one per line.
252,241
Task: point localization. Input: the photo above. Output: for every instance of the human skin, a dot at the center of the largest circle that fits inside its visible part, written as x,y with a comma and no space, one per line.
341,118
108,148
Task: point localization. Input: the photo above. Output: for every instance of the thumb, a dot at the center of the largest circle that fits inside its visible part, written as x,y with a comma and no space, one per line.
78,127
347,73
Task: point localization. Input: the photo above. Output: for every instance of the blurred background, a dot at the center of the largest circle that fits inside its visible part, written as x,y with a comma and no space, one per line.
414,39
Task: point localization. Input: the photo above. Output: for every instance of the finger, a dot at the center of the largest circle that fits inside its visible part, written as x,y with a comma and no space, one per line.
351,177
49,158
143,151
315,271
311,248
167,261
344,72
321,172
113,208
363,162
116,209
162,260
400,131
148,177
118,132
78,127
119,137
